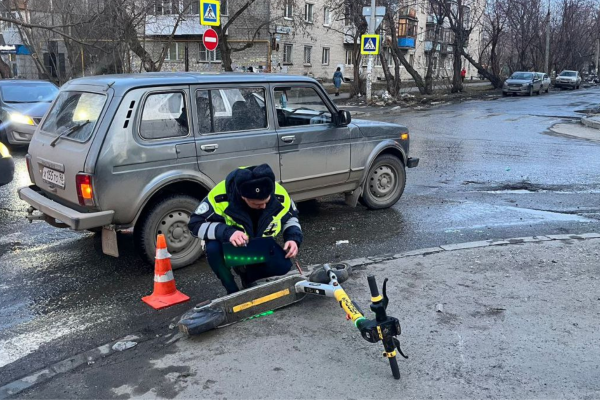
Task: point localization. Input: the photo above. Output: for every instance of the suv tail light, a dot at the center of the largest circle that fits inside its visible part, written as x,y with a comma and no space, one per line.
85,189
29,167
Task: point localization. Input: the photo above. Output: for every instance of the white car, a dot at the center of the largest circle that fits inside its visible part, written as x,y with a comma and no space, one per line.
545,81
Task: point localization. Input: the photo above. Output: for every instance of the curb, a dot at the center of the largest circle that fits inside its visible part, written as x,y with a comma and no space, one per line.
366,261
590,122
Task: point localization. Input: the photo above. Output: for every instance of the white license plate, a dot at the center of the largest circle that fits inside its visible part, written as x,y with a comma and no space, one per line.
53,177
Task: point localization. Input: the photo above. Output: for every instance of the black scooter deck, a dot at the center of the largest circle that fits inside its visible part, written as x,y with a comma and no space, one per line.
241,305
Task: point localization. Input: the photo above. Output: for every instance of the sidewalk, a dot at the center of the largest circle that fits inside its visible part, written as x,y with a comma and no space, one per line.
519,320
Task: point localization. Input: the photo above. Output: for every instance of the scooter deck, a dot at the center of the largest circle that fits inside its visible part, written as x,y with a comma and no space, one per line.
241,305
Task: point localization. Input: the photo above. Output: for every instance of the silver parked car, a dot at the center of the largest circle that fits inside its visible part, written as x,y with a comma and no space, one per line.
22,106
568,79
545,79
522,83
141,151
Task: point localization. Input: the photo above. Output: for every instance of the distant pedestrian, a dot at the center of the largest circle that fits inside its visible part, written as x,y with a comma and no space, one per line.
463,74
338,78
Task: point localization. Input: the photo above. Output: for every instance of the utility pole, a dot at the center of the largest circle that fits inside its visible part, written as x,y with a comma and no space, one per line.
597,55
547,61
370,63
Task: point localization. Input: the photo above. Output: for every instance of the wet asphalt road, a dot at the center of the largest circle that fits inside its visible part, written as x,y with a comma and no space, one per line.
489,169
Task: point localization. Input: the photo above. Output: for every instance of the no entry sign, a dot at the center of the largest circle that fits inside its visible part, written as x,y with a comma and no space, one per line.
210,39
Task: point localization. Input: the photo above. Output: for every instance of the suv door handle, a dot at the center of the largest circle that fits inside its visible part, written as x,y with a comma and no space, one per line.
288,139
209,148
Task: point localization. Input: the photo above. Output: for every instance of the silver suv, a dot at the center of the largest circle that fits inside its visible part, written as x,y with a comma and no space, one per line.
568,79
141,151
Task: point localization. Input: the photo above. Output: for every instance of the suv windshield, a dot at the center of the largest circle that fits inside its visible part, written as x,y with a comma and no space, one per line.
567,73
522,76
29,93
72,109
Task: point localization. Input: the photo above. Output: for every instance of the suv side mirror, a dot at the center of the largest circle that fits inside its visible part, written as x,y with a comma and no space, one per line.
344,118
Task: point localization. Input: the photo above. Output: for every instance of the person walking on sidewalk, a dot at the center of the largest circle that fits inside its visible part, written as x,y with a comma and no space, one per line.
247,204
338,78
463,74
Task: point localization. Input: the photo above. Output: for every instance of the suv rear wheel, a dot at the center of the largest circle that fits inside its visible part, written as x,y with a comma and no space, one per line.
169,216
385,183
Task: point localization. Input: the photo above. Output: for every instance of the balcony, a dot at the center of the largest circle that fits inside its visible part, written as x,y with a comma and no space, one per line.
12,36
406,43
431,20
162,25
429,46
446,49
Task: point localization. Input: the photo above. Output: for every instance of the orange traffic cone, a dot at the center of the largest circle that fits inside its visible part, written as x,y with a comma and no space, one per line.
165,293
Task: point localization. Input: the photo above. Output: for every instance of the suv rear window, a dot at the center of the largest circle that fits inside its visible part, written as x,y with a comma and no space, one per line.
72,109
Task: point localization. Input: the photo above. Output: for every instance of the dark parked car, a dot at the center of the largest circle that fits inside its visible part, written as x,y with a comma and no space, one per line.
22,106
7,165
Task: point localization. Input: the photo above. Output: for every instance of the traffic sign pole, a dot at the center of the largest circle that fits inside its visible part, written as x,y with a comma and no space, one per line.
372,28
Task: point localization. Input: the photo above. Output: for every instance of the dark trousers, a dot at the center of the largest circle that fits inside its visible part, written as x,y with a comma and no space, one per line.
275,265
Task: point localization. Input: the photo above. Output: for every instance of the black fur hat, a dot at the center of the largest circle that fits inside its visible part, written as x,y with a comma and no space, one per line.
257,183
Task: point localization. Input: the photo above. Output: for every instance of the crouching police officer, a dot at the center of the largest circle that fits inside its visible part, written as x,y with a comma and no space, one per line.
247,204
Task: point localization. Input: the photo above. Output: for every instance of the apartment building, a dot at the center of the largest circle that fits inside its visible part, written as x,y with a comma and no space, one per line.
305,37
19,48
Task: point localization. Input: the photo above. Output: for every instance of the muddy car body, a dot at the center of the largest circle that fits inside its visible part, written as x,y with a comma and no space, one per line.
123,151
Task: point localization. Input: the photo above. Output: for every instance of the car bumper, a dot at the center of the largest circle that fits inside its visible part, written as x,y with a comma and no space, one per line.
19,134
565,84
518,90
412,162
74,219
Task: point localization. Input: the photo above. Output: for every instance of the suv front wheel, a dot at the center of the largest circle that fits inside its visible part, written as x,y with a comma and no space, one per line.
170,217
385,182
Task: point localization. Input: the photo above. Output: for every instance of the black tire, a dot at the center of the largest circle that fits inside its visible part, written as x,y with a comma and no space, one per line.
385,182
504,94
547,89
170,217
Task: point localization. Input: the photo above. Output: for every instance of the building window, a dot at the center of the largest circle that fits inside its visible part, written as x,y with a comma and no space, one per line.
209,56
407,27
191,7
347,15
287,53
308,13
166,7
288,11
327,16
307,53
325,58
348,57
175,52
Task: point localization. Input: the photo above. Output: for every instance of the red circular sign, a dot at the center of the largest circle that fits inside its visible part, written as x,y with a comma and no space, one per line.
210,39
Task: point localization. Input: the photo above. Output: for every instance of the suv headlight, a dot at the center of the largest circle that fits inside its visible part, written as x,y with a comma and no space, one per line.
21,119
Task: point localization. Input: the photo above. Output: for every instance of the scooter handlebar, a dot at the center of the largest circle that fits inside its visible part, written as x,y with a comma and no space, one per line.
373,286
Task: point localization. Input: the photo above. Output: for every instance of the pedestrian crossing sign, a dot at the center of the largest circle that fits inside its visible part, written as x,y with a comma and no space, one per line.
369,44
210,13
